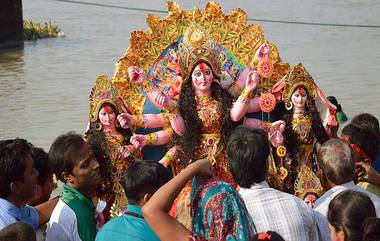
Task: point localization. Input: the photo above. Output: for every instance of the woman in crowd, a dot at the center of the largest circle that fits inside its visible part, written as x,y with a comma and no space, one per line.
227,217
352,217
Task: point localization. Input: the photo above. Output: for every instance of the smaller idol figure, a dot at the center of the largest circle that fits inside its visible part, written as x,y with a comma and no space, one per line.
111,146
303,132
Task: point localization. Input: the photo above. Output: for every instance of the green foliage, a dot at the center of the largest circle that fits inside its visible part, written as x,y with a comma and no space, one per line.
34,31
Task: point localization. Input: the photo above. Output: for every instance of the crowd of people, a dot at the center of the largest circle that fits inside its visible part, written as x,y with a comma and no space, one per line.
220,172
253,211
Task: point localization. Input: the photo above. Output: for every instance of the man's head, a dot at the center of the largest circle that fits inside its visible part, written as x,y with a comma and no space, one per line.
364,141
247,152
73,162
367,120
142,179
337,162
18,231
46,182
18,177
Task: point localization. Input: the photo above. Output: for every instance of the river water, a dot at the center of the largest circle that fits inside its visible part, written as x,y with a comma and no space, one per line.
45,87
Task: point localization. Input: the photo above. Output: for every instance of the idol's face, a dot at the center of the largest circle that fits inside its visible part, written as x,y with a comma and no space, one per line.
299,98
310,200
202,77
107,116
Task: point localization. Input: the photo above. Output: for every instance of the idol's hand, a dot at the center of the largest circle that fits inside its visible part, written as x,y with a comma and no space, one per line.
136,75
279,125
162,99
252,81
125,120
126,151
262,52
138,141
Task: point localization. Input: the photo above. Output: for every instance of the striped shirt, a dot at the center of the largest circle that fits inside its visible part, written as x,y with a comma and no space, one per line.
9,214
281,212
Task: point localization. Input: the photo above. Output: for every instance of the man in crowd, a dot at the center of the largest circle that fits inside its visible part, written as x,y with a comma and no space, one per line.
73,162
18,179
337,165
142,179
45,184
248,151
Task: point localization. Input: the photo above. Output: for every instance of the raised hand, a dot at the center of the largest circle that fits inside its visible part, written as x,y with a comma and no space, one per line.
138,141
126,151
252,80
136,75
162,99
262,52
202,167
125,120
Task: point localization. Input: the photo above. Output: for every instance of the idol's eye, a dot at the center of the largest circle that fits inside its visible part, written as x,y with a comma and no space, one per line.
197,74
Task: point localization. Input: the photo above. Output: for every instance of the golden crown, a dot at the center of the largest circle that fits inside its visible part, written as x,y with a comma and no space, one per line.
296,77
307,182
198,46
102,92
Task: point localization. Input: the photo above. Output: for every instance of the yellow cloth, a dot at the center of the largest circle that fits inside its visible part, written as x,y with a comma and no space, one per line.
375,189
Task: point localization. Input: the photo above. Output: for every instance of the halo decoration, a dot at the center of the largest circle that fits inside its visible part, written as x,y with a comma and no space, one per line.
238,40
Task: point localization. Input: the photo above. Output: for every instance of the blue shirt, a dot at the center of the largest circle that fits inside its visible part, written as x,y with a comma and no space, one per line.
127,227
9,214
376,163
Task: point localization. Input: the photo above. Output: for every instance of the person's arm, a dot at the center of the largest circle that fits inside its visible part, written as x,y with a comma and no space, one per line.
156,209
370,175
45,210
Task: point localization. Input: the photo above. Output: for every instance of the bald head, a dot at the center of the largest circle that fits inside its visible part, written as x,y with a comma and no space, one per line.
336,160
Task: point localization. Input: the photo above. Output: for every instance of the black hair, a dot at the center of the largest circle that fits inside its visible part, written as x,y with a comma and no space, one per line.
144,177
334,101
19,231
365,138
367,120
348,211
188,110
41,163
62,153
13,154
247,153
371,228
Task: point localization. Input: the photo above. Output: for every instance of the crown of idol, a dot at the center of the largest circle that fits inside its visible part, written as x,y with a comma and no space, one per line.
307,182
198,46
102,92
296,77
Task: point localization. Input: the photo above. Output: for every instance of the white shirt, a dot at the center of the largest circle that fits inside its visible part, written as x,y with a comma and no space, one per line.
322,203
62,225
281,212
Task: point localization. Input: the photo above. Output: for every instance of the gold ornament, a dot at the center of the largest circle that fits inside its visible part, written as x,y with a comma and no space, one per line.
102,92
289,105
281,151
297,77
307,182
228,29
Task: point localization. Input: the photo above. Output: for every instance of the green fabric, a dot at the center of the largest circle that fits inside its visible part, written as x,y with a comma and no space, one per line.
84,210
341,117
